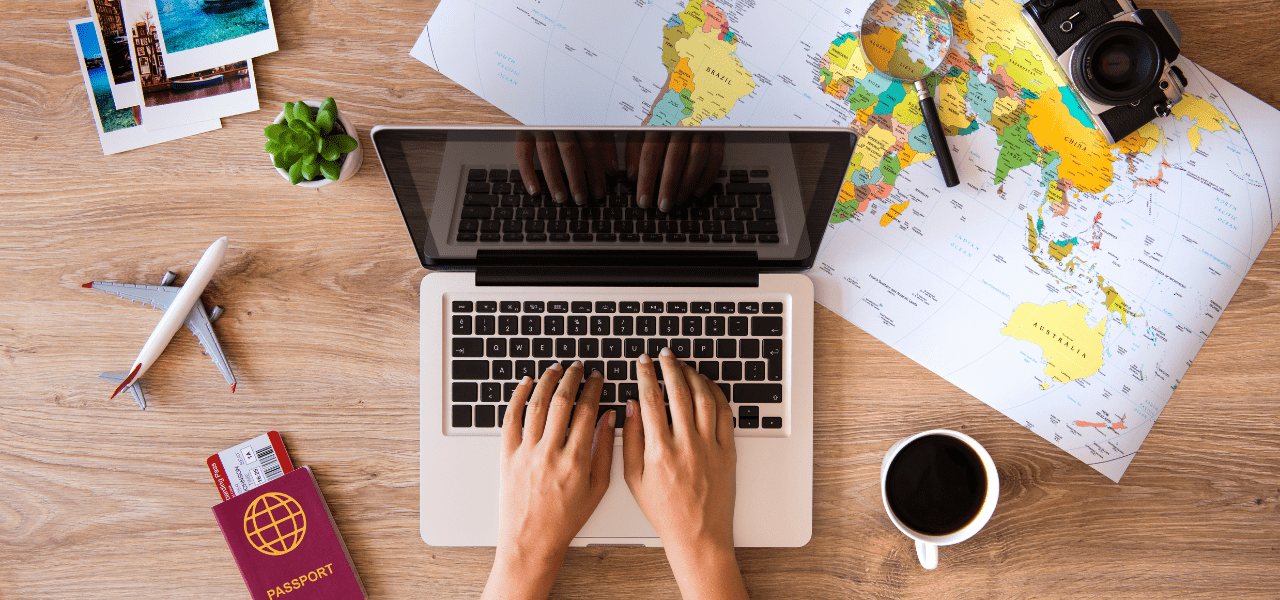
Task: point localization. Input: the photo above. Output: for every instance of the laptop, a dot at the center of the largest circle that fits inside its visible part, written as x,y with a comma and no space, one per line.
518,282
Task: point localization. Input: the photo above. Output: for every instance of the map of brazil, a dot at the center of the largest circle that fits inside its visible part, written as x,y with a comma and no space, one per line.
1067,283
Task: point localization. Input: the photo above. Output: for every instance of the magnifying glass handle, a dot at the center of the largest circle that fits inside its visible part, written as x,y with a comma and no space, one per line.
940,146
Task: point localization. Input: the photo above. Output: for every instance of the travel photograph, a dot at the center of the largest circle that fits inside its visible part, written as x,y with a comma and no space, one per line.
191,24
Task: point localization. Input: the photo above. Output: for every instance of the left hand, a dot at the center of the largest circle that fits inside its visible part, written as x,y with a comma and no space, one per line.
550,482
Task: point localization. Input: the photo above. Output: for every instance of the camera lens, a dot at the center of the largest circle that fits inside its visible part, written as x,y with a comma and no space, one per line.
1117,63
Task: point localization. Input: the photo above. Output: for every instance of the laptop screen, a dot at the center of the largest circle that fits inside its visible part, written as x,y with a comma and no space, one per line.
472,196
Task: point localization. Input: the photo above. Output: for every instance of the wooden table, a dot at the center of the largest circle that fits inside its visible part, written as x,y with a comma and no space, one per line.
99,500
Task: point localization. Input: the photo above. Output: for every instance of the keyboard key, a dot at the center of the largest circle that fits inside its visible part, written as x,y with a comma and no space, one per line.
609,393
470,369
577,325
534,307
749,348
754,370
759,174
731,370
772,308
462,306
628,391
599,326
744,239
485,325
606,307
646,325
530,325
726,348
543,365
652,237
497,175
700,308
486,306
592,366
476,212
771,422
508,325
525,368
490,392
510,306
486,416
669,326
557,306
581,307
519,347
566,348
769,239
616,370
715,326
757,393
461,415
653,307
491,237
749,422
773,357
633,347
465,391
675,237
710,368
477,175
748,411
766,326
553,325
623,325
681,347
748,188
655,346
749,308
678,307
691,326
502,369
724,308
704,348
543,348
513,237
468,347
629,307
467,237
737,176
588,347
738,326
494,347
462,325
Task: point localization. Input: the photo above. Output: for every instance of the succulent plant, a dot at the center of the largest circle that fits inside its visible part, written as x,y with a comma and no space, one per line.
305,144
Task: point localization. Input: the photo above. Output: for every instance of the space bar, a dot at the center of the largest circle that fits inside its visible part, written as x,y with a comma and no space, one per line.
757,393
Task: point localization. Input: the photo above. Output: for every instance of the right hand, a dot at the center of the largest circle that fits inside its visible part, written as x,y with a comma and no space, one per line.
683,474
688,164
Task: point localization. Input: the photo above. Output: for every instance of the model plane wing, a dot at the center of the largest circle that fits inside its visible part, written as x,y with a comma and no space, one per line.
198,321
159,296
134,388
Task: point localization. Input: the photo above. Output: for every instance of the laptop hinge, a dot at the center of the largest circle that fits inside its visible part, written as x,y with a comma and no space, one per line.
593,268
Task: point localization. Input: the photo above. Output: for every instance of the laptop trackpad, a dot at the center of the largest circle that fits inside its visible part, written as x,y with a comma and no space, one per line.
618,517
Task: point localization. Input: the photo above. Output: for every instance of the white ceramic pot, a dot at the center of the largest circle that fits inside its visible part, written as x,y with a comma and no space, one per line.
350,161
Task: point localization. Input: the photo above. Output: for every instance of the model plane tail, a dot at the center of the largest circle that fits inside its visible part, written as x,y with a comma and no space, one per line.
134,388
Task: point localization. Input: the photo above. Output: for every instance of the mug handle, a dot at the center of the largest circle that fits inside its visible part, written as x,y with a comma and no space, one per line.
928,554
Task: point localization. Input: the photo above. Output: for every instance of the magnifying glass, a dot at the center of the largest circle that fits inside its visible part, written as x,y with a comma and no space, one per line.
907,40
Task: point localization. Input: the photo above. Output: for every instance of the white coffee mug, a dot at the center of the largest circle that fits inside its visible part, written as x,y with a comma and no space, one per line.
927,545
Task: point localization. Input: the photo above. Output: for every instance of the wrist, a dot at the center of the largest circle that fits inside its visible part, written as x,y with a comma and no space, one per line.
523,575
707,570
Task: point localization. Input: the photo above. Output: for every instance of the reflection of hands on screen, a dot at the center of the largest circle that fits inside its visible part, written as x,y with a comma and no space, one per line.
677,166
687,164
572,162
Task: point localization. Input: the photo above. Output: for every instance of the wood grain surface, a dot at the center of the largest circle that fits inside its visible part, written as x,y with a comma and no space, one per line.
100,500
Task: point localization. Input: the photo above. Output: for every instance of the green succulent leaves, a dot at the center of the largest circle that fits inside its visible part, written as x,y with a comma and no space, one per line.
305,145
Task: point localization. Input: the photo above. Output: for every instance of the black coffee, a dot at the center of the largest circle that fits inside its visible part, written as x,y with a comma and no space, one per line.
936,485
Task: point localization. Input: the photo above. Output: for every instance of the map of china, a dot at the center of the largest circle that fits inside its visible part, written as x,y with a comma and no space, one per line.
997,77
705,78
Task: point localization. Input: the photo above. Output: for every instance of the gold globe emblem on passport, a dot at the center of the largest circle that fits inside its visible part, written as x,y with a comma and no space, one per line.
274,523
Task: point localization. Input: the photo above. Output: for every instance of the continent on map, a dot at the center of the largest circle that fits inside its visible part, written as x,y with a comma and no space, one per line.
1204,115
1071,348
705,77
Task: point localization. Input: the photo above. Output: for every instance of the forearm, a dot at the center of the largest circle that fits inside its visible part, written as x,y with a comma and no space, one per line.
707,573
521,578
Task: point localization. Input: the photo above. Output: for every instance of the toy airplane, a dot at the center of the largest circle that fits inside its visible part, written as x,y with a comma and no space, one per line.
181,305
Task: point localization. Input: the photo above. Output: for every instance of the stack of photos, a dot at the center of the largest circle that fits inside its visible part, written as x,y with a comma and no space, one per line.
119,129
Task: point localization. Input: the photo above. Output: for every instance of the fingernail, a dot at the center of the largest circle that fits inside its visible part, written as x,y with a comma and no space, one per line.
643,201
580,198
533,189
664,205
613,418
631,408
665,352
555,367
644,359
577,364
527,379
559,197
595,373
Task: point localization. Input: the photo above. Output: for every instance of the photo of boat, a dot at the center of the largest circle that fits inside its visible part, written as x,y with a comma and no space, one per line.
189,83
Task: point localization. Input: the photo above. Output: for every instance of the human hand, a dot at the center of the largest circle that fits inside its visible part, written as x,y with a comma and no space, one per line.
567,157
683,475
550,482
688,164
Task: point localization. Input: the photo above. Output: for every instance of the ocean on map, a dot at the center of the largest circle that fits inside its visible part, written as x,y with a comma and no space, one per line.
112,119
188,24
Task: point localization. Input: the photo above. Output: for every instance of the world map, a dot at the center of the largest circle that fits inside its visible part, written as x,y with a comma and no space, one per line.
1066,282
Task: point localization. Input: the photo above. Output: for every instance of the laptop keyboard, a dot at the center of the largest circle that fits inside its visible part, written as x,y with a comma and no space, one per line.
497,207
493,344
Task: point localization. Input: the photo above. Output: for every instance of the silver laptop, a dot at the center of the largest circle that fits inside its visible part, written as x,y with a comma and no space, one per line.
519,282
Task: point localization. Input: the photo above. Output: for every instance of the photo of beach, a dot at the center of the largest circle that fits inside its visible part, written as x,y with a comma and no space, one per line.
190,24
112,119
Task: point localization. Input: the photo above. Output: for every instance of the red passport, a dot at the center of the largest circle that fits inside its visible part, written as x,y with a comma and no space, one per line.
285,542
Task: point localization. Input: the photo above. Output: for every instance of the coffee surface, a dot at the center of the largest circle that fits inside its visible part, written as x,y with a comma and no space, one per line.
936,485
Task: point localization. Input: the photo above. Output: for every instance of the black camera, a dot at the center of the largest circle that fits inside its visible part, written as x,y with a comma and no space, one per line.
1117,57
